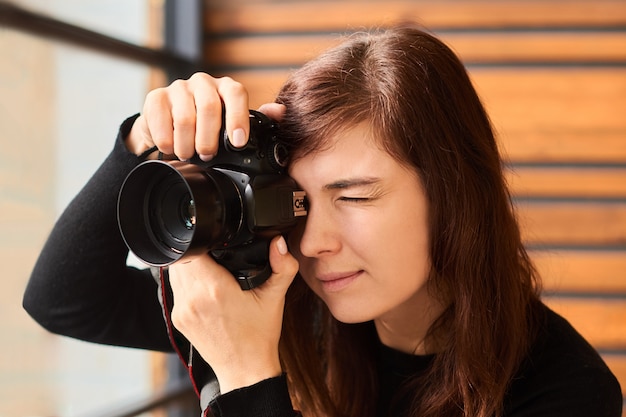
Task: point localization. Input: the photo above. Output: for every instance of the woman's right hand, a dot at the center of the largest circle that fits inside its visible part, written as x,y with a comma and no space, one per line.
185,117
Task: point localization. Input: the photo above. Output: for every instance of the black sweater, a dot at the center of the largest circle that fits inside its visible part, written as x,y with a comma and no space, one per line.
81,287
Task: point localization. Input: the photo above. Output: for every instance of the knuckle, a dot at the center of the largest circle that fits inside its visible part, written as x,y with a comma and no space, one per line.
200,76
238,89
184,121
156,94
226,79
178,83
230,85
154,98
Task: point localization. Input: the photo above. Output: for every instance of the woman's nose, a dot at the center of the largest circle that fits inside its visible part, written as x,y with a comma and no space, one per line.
320,235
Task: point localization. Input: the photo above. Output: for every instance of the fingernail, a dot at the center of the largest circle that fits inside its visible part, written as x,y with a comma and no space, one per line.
239,138
281,245
206,158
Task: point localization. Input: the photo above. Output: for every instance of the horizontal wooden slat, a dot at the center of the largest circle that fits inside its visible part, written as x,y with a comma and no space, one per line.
542,46
617,364
474,47
306,16
596,143
601,321
285,50
557,114
564,223
541,115
582,271
577,182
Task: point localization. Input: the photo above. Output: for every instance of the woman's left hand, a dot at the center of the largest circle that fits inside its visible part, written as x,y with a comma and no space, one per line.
235,331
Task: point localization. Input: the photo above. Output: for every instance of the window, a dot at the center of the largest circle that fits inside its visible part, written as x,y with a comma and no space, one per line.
61,105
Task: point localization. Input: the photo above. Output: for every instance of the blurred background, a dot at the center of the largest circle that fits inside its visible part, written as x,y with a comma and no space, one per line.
551,73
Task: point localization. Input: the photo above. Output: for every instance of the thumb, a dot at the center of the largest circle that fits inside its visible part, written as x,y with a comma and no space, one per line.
284,265
273,110
139,139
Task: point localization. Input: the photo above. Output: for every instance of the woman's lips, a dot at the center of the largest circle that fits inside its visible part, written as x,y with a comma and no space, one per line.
338,281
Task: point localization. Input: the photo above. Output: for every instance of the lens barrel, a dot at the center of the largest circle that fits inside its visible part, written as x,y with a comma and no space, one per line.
168,210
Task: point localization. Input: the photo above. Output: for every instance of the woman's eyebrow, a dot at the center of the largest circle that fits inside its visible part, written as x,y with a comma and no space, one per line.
351,183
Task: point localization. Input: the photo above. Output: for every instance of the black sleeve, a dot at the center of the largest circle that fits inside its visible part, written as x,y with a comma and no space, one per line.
268,398
80,285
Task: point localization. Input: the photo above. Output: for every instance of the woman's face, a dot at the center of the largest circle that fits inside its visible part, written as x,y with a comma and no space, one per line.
364,247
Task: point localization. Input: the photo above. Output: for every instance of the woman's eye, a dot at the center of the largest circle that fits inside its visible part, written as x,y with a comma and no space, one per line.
354,199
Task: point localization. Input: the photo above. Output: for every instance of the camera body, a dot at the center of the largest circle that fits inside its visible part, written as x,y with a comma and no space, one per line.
231,206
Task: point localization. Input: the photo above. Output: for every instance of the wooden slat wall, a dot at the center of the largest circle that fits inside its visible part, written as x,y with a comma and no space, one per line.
552,75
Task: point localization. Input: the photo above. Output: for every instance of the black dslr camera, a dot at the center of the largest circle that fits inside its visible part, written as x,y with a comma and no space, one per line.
231,206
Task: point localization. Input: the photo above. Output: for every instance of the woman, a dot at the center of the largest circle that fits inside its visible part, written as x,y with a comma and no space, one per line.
406,292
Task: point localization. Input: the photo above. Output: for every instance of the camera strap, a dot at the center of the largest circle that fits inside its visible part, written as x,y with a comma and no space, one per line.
202,377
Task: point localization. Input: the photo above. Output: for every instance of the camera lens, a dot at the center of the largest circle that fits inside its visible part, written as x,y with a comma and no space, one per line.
188,212
169,214
169,210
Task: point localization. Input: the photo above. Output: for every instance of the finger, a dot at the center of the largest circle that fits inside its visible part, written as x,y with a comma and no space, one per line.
284,265
200,276
235,97
274,111
158,120
138,140
183,119
208,106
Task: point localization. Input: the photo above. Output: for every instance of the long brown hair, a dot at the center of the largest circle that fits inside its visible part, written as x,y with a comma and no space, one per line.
417,96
